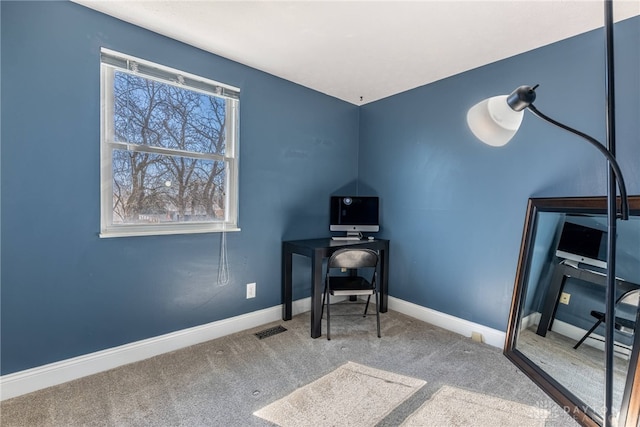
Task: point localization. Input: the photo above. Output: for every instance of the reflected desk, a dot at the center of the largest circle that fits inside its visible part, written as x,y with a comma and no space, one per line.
318,250
560,274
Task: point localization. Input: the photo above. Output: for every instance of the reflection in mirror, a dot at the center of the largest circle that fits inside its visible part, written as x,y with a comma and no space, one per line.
558,298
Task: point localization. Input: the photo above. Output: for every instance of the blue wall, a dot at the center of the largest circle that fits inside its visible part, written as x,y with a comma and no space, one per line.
65,292
453,208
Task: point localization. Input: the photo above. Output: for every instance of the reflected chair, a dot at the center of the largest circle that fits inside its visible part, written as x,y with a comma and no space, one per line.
626,325
352,284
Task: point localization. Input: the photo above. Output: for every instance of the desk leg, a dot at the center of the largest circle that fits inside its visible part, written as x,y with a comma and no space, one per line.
384,283
316,295
551,302
287,285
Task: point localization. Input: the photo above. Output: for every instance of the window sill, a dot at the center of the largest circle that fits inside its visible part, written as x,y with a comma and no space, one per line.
160,232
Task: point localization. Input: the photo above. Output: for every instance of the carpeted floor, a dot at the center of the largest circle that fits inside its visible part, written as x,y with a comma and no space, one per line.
579,370
224,381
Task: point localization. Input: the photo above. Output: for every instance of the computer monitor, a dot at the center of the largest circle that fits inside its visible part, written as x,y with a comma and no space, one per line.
354,215
582,244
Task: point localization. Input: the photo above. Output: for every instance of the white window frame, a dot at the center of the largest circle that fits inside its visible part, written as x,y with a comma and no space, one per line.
112,61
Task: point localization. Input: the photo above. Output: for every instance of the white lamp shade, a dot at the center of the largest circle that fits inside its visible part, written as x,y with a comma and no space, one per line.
493,121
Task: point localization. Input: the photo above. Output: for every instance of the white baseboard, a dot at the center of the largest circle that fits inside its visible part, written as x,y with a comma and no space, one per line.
532,319
463,327
40,377
27,381
594,340
568,330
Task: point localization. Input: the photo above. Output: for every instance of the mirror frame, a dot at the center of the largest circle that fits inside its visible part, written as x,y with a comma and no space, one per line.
630,407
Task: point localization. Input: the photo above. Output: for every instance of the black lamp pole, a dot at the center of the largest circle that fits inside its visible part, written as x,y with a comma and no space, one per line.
522,98
611,216
495,126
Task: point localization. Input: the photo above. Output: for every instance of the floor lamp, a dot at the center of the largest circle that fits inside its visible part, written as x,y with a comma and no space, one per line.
496,120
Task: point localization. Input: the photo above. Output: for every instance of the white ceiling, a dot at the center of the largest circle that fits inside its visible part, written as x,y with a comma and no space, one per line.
362,50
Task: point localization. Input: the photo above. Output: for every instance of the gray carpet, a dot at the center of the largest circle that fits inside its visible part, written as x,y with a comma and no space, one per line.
224,381
579,370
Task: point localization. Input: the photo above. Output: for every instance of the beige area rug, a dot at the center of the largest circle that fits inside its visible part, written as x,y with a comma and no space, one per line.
352,395
452,406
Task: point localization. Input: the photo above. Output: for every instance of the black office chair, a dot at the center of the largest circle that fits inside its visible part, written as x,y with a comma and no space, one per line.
626,325
348,285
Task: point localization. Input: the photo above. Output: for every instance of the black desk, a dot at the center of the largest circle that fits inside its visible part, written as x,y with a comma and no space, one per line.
317,250
560,274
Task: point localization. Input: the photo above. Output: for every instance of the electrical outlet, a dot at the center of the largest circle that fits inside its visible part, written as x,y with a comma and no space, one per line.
564,298
251,290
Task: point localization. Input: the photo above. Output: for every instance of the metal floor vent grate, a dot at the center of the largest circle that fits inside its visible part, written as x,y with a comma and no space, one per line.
269,332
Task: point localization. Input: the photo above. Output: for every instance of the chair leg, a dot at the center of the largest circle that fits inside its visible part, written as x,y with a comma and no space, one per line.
328,315
324,295
366,307
378,314
593,328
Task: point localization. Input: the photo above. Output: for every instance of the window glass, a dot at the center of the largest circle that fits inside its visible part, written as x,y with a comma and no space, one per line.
169,144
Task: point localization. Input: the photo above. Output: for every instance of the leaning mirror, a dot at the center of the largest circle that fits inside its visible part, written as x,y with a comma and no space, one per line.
558,295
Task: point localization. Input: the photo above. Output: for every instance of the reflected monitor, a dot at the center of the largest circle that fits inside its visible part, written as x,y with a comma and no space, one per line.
583,244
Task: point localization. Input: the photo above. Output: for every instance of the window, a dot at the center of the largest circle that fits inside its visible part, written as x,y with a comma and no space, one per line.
169,154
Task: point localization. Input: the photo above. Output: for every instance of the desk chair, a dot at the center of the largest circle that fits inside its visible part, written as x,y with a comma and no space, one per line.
352,284
626,325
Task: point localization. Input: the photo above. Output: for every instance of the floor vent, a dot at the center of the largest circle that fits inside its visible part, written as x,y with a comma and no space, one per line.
269,332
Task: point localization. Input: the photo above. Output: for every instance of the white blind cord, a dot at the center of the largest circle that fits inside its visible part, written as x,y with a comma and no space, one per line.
223,266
